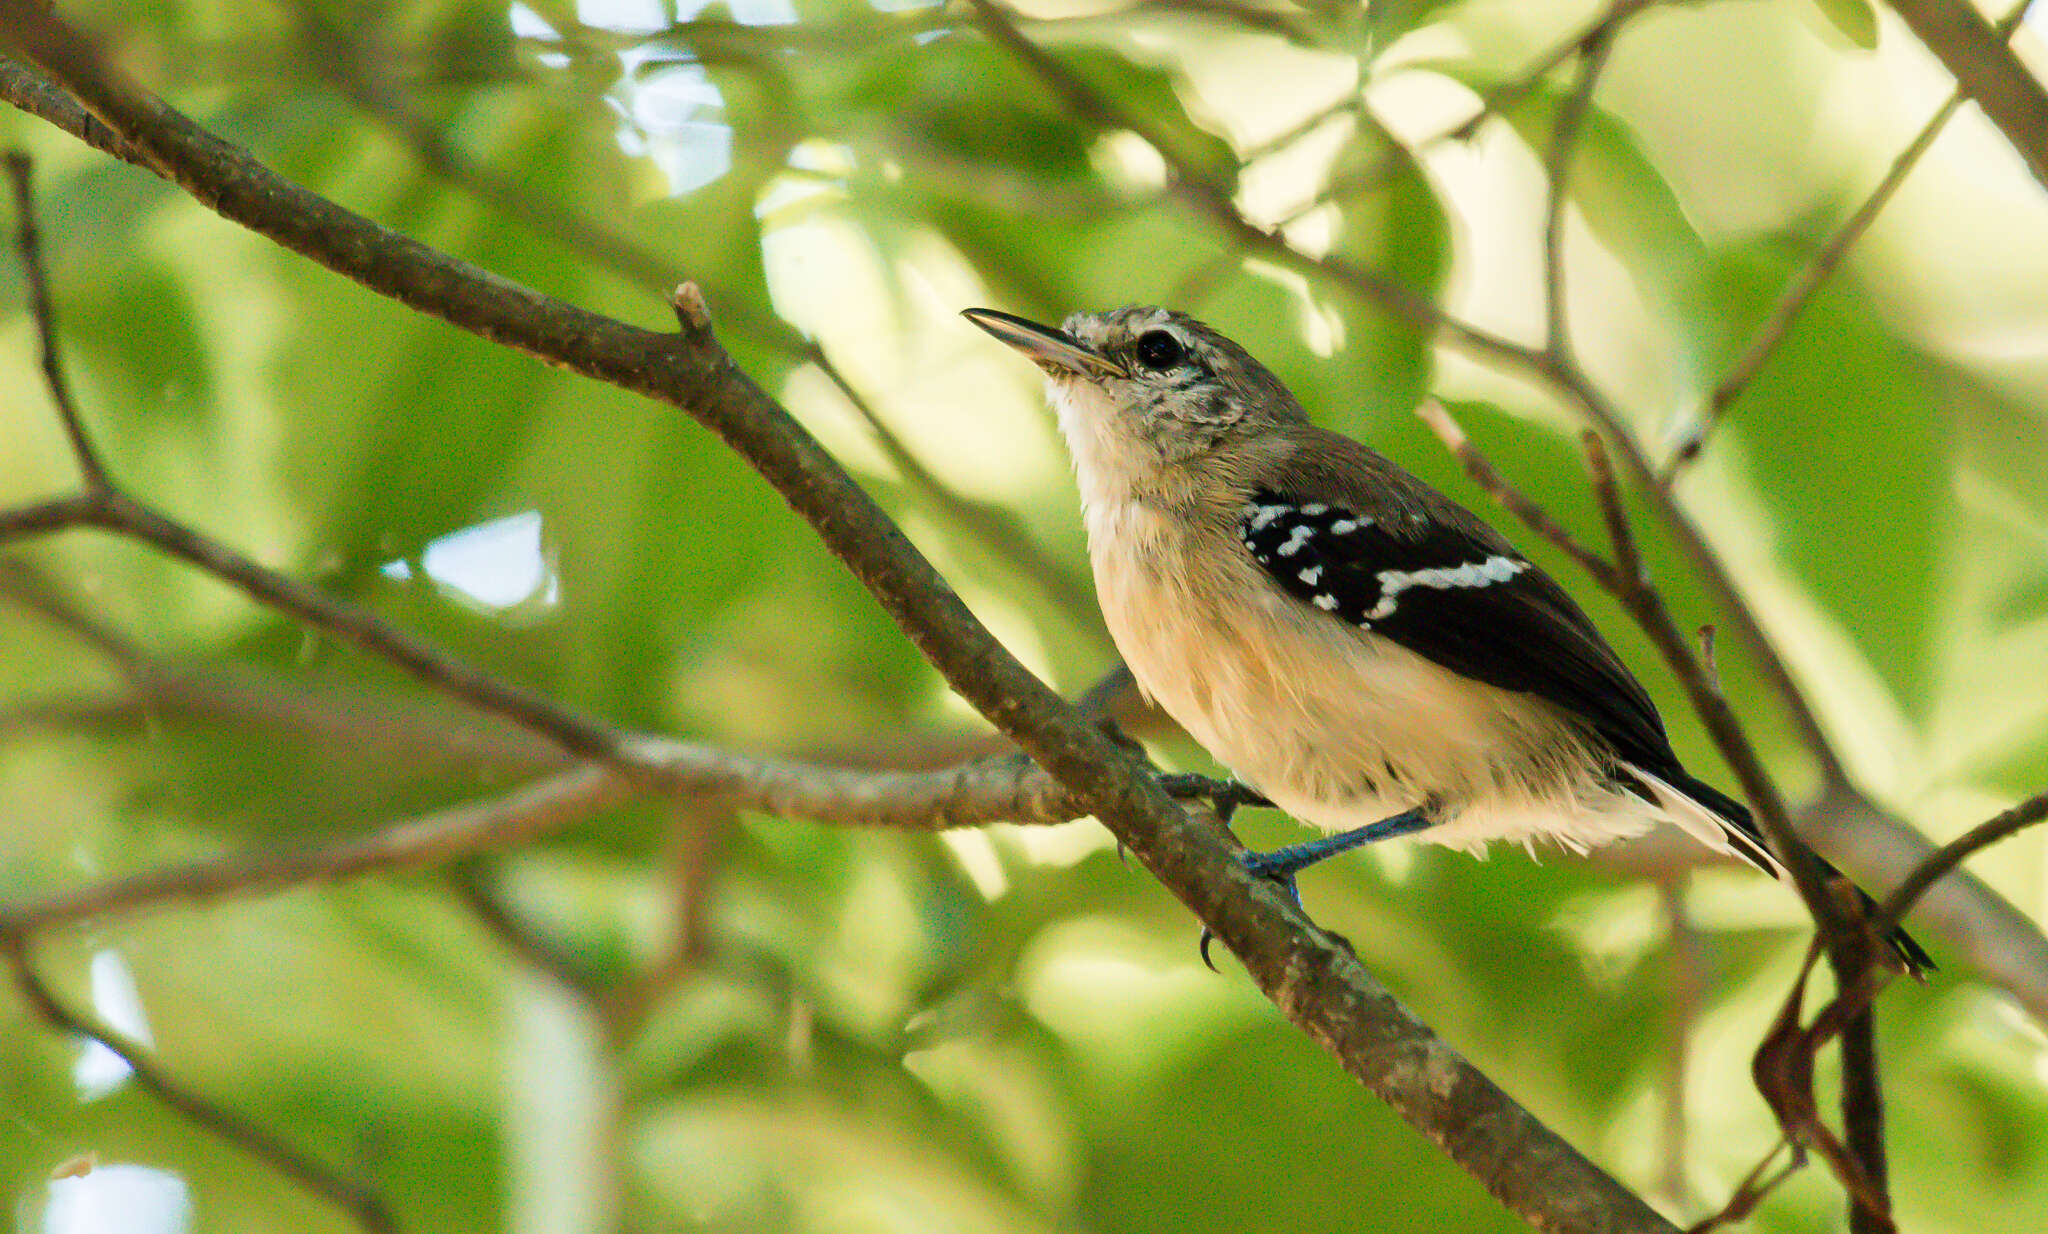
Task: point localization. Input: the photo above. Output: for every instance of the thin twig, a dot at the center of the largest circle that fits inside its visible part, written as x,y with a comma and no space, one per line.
352,1196
1646,604
1682,1013
1859,1165
117,512
695,829
1753,1189
1855,959
996,527
1628,582
28,240
1493,101
1952,854
1649,610
353,72
1787,1056
1564,142
44,517
1784,1070
414,843
1520,504
1798,293
1514,89
1200,190
1706,563
1861,1176
106,506
477,892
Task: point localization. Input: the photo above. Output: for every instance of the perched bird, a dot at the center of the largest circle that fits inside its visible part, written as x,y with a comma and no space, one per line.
1360,650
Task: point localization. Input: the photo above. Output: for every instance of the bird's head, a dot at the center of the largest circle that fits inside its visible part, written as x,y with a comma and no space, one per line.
1141,390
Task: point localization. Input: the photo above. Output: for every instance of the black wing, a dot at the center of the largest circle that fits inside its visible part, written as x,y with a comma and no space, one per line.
1450,590
1461,600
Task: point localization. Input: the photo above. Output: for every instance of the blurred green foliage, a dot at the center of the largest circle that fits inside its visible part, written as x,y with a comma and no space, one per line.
1001,1031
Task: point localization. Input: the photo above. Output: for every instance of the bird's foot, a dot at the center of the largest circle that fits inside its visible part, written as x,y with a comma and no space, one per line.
1259,865
1280,865
1223,796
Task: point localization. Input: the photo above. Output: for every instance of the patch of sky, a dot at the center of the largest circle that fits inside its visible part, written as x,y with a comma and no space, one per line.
527,24
99,1071
117,1199
498,564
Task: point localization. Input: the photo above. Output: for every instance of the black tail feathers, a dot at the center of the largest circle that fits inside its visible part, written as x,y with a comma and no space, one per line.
1749,841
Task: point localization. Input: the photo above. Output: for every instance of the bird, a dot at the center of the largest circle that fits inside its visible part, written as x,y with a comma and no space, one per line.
1358,649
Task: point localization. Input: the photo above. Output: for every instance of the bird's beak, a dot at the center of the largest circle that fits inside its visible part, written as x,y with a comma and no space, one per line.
1055,351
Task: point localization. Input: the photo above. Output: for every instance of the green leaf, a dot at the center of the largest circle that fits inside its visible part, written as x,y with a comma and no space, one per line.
1854,20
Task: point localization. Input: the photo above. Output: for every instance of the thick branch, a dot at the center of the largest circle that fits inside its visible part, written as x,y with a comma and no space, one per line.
1008,789
1986,68
1313,978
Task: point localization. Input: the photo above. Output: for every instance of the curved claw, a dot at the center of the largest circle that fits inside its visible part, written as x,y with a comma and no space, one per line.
1259,865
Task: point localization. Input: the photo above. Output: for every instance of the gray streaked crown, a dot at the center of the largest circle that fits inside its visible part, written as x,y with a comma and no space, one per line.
1201,382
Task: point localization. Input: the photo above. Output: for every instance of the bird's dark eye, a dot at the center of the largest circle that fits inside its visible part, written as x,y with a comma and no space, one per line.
1159,350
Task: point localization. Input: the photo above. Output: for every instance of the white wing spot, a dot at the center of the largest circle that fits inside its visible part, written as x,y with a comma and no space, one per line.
1263,516
1315,508
1345,526
1326,602
1296,537
1486,573
1312,575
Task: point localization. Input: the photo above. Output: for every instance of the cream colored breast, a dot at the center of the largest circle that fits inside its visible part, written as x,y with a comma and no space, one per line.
1331,723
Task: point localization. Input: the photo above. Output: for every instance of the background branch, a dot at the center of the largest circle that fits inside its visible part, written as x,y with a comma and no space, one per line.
357,1199
1311,977
1985,68
43,312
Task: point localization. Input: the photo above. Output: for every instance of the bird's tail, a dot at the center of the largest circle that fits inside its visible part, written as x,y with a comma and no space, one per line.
1743,838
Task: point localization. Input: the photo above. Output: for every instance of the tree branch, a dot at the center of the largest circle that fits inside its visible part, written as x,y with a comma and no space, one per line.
1564,141
1860,1164
1008,789
1799,292
1315,981
1952,854
1518,503
113,510
1985,68
28,240
361,1202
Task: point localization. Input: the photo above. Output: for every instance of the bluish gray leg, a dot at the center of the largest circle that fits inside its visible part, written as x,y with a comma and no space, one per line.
1282,864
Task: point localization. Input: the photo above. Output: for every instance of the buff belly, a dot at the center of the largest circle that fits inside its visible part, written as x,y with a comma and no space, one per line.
1341,729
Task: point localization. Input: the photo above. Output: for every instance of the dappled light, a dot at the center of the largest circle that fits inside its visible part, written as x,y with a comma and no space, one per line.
445,787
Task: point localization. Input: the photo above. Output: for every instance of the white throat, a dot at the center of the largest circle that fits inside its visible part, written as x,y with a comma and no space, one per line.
1114,463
